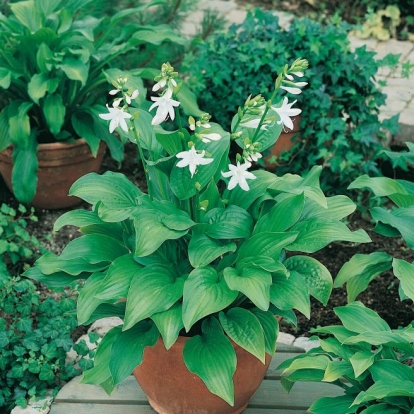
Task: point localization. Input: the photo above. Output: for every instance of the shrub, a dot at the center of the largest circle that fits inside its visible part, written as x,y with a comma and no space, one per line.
340,125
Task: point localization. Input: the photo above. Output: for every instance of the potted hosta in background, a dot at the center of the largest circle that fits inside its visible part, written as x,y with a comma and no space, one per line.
199,266
55,63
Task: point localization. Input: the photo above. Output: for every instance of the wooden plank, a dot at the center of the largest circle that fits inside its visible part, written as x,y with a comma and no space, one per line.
66,408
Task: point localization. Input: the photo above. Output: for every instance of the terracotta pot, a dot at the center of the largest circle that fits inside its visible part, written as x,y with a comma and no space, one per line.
60,165
172,389
284,143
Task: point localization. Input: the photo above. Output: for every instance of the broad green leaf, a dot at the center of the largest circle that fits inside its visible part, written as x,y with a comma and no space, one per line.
232,222
83,125
87,302
57,281
252,282
38,86
331,405
94,248
243,327
336,370
106,310
338,331
333,346
380,186
360,270
5,78
112,189
361,361
127,351
188,101
317,362
146,135
212,357
20,132
294,184
202,250
384,389
316,233
266,244
54,111
270,328
27,14
391,370
338,207
397,339
358,318
24,173
316,275
404,271
291,292
282,216
100,373
153,289
258,187
157,34
402,219
118,278
171,141
204,293
382,408
169,323
75,70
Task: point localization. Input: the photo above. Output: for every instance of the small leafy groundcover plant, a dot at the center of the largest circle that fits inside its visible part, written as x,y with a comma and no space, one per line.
365,357
54,66
340,128
35,335
213,251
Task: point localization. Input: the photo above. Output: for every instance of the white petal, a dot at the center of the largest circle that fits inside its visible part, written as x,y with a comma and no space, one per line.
243,184
113,92
293,91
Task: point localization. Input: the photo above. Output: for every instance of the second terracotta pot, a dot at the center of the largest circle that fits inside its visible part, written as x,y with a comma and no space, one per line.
60,165
172,389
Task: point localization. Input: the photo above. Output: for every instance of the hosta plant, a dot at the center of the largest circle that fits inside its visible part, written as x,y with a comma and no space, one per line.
213,251
54,66
364,356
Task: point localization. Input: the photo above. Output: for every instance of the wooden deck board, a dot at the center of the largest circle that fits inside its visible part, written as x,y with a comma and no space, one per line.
128,398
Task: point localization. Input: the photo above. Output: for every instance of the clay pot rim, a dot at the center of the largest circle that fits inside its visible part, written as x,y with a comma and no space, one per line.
59,144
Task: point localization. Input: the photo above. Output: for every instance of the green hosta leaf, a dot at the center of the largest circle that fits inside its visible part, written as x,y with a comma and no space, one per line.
87,302
360,270
404,271
266,244
336,370
252,282
232,222
282,216
24,173
383,408
309,185
57,281
94,248
291,292
202,250
100,373
245,330
127,350
338,207
212,357
27,14
146,133
316,233
83,125
316,275
204,293
153,289
54,111
384,389
337,405
106,310
390,370
262,262
402,219
358,318
38,86
118,278
112,189
338,331
169,323
171,141
5,78
44,56
258,187
316,362
381,186
399,339
75,70
20,132
270,328
361,361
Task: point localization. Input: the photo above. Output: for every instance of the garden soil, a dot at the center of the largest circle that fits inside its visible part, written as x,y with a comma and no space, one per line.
381,296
